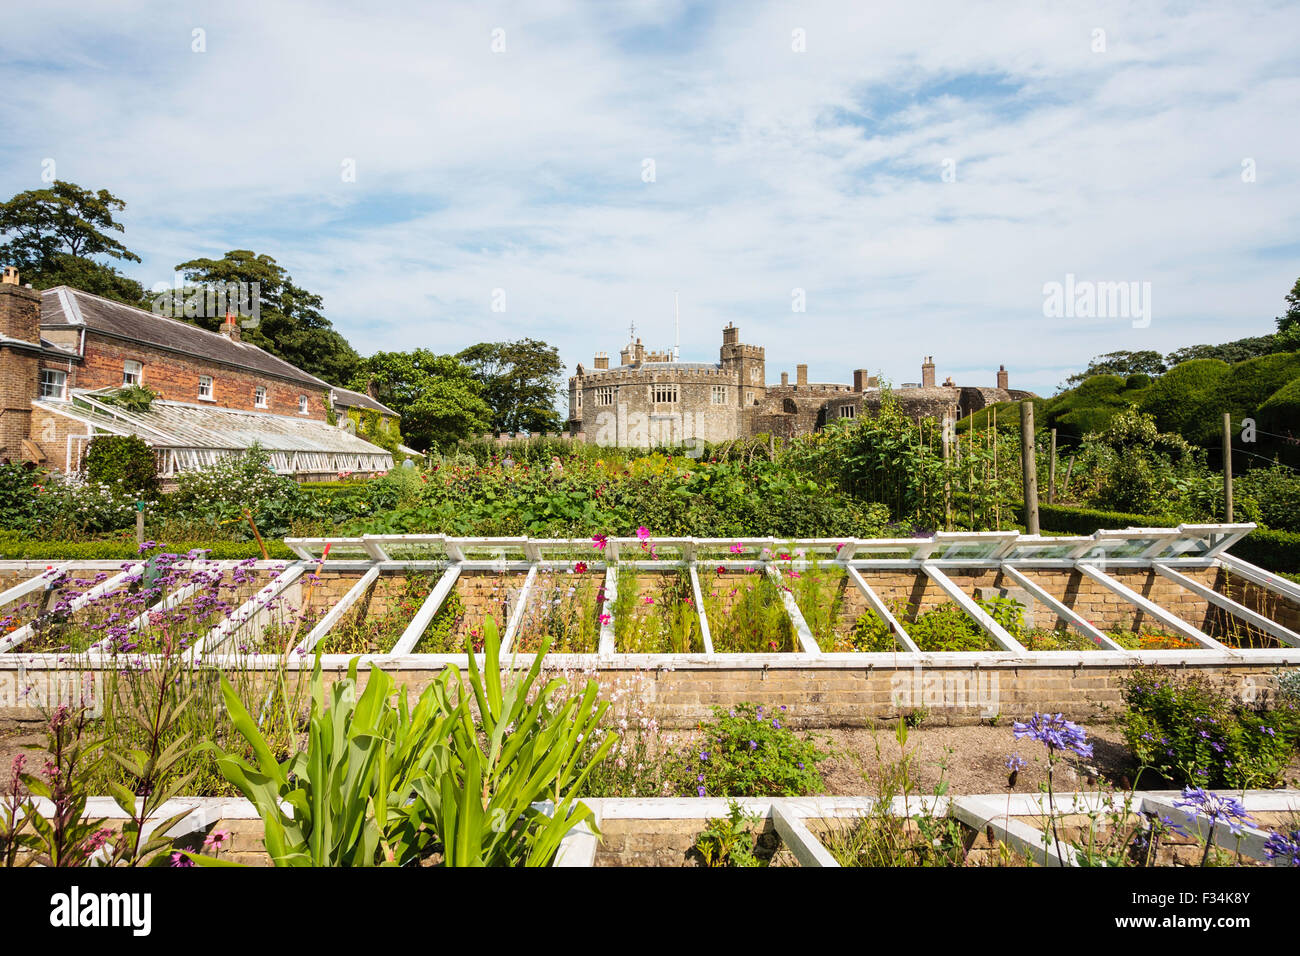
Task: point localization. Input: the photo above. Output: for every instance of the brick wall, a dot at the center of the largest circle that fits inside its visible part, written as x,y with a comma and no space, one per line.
176,377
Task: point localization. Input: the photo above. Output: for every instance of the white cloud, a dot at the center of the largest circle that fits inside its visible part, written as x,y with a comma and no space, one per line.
774,169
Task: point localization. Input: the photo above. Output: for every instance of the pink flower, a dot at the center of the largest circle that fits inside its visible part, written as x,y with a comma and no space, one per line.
599,541
737,548
643,533
605,619
649,599
215,839
580,567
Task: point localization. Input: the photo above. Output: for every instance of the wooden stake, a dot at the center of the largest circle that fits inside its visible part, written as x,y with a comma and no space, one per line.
1029,466
1227,467
1051,472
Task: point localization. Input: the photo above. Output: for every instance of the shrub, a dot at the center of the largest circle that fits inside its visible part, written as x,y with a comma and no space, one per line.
748,752
1189,400
123,461
1281,412
1197,736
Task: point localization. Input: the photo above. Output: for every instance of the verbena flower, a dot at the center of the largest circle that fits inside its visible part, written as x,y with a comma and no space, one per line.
1055,733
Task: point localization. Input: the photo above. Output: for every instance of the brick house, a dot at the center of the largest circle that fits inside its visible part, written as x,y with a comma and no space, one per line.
62,351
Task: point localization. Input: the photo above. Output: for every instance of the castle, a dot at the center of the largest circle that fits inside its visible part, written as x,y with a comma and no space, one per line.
651,398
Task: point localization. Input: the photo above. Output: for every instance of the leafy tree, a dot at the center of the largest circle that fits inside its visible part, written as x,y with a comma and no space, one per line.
1239,350
1137,468
1288,325
56,233
520,381
290,325
438,397
1122,363
123,460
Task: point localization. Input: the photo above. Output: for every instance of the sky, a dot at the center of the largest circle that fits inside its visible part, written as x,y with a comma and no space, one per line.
854,185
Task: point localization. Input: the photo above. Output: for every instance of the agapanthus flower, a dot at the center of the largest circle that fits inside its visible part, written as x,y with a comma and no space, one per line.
1283,846
1213,807
1055,733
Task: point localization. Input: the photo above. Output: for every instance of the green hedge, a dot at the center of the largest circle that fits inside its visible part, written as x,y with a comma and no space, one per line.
22,548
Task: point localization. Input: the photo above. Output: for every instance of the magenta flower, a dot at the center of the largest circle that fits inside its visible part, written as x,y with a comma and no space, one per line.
643,533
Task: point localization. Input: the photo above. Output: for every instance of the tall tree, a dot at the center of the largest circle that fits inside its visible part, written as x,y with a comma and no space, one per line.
56,234
520,382
438,397
290,322
1288,324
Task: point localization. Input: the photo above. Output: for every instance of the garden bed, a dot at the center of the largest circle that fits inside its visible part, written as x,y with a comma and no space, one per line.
655,613
746,612
563,611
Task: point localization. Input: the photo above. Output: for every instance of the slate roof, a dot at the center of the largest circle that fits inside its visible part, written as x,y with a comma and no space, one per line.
66,308
346,398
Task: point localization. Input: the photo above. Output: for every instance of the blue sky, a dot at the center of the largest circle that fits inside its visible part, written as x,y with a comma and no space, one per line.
775,168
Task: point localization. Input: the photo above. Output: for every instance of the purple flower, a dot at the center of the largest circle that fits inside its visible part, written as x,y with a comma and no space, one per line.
701,791
1214,808
1015,763
1055,733
1283,846
753,745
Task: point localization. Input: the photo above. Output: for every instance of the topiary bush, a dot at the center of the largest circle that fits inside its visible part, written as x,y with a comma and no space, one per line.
1189,400
123,461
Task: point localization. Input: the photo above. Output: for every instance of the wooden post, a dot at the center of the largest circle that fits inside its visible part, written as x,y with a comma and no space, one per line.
947,482
139,523
1029,466
1227,467
1051,472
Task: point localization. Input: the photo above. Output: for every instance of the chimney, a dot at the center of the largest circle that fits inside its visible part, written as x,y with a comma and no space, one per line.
230,327
785,378
801,375
20,310
861,380
602,360
927,372
730,335
1002,377
10,276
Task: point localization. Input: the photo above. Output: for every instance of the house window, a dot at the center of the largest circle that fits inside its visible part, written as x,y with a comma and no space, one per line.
719,394
205,387
660,394
259,396
302,404
132,373
605,395
54,384
848,411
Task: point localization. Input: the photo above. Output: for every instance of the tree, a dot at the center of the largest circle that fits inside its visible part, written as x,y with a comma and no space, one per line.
290,322
1239,350
1123,364
520,381
1288,325
438,397
55,234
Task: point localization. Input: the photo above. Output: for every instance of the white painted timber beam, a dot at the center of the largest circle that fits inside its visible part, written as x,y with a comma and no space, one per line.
801,629
517,615
607,644
1062,609
982,618
1171,621
94,594
415,630
883,612
31,584
706,636
166,604
1257,575
1285,635
981,814
335,614
1250,842
807,849
247,611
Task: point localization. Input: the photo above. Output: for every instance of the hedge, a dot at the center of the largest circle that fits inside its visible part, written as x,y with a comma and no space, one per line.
26,549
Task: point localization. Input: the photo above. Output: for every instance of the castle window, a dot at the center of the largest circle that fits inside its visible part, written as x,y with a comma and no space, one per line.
719,394
302,404
578,393
259,396
54,384
660,394
753,373
605,395
132,373
848,411
205,387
